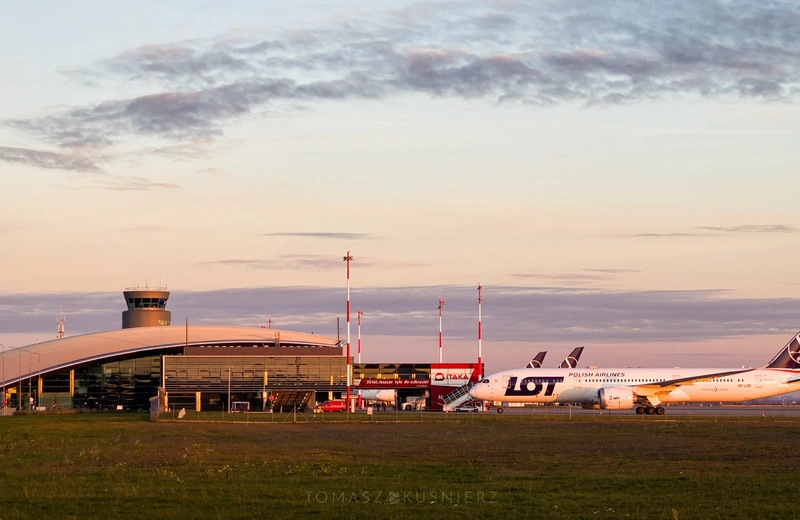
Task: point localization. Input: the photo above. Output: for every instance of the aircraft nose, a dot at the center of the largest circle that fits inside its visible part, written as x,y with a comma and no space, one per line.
480,391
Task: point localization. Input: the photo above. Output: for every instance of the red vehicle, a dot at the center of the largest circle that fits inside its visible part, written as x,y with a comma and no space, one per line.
332,406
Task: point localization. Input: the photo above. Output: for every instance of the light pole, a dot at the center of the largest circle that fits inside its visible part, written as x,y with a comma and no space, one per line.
19,375
480,365
359,314
348,258
359,334
38,376
30,363
441,305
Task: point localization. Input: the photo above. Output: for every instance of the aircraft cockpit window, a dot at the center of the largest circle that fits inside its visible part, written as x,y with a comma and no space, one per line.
485,381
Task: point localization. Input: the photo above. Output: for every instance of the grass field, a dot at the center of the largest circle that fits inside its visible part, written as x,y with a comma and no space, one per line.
485,466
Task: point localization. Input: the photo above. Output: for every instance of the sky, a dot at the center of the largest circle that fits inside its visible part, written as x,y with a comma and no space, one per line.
615,175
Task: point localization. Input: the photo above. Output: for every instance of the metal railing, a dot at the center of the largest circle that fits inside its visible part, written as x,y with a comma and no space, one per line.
455,395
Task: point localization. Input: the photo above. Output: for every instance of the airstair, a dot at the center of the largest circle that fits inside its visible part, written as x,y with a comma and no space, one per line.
288,400
456,397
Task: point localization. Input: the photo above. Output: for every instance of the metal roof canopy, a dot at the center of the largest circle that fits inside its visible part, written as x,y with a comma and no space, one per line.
48,356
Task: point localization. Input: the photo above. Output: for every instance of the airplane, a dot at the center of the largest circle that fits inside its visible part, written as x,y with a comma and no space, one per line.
381,396
643,388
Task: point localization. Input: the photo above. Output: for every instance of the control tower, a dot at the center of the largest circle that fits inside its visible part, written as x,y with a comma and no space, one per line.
146,307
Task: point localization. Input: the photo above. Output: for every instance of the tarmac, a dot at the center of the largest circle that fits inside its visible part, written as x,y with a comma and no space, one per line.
674,411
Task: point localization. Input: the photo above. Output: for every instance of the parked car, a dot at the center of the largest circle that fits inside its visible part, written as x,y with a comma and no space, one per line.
332,406
469,406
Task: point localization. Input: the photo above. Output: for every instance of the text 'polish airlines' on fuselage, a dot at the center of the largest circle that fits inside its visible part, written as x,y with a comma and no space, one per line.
643,388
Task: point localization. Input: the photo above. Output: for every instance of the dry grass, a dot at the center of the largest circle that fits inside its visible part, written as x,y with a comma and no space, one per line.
122,465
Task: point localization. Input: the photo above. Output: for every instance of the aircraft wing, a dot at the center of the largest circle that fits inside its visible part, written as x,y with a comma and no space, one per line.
670,384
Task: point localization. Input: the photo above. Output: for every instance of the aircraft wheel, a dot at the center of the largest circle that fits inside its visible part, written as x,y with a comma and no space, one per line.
639,410
660,410
650,410
500,409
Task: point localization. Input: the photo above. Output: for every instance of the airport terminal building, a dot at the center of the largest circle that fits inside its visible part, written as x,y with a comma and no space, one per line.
203,367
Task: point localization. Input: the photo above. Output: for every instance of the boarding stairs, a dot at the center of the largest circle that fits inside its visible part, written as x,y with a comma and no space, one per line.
456,397
288,400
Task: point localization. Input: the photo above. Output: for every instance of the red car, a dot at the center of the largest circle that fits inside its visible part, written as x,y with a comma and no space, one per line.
332,406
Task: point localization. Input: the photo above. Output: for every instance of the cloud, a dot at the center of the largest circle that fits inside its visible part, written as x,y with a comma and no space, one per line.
752,228
510,313
239,262
284,262
539,54
585,277
49,160
325,235
564,278
156,228
613,271
312,262
670,235
717,230
132,183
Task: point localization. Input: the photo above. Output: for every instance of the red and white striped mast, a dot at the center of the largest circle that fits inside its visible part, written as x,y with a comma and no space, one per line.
359,334
441,305
359,314
480,360
347,259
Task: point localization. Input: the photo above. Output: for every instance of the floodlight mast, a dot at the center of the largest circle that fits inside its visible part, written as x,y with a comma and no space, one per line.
359,314
441,305
480,360
348,258
359,334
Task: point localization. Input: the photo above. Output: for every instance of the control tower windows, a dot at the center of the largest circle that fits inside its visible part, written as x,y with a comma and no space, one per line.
146,303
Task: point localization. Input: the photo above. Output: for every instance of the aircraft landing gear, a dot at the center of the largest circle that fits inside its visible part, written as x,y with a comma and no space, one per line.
649,410
500,409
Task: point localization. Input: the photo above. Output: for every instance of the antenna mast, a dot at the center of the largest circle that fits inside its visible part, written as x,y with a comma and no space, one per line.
441,305
61,321
348,259
480,361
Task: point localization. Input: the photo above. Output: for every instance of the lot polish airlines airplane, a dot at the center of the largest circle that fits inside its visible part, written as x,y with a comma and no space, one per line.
643,388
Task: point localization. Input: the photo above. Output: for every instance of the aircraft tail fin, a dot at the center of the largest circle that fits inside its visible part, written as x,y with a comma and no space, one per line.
571,361
536,362
789,356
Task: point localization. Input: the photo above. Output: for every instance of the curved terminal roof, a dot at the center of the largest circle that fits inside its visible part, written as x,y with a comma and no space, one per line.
48,356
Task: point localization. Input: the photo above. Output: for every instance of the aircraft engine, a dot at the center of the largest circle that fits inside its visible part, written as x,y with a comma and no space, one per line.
616,398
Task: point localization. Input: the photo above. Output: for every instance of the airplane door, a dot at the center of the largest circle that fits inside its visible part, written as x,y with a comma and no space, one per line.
759,382
505,384
576,382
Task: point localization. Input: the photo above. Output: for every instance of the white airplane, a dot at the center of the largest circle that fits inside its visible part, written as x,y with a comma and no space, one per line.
381,396
643,388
